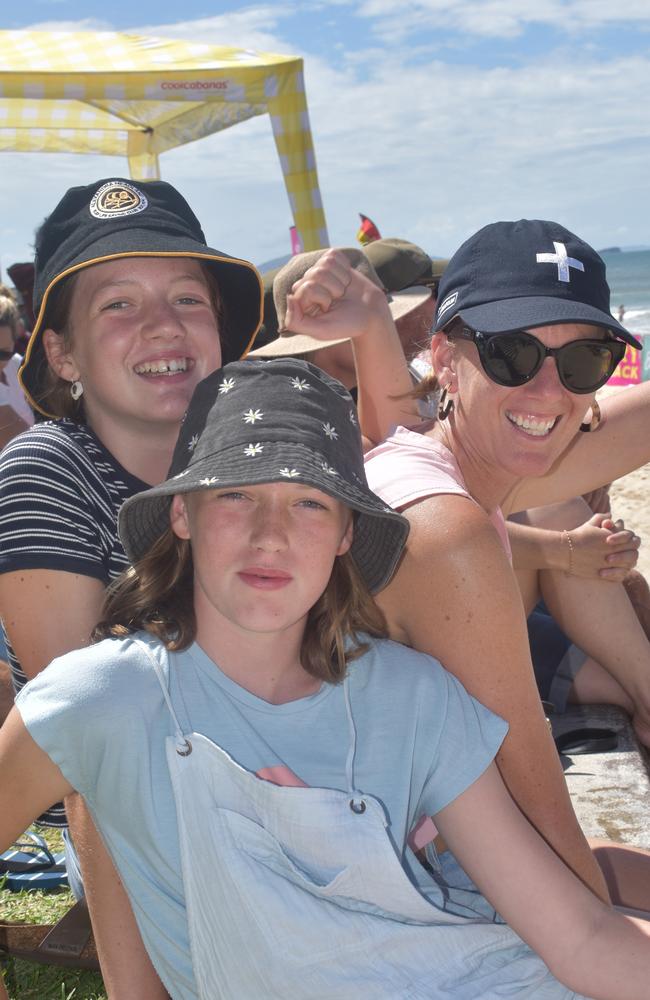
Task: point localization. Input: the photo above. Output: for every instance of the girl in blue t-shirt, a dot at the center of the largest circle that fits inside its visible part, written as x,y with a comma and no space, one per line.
257,757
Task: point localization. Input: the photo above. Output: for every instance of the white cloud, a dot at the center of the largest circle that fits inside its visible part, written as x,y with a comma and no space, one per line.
250,28
498,18
84,24
430,149
434,151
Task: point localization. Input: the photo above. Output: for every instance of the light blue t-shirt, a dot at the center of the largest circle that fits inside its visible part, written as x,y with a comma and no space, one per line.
99,713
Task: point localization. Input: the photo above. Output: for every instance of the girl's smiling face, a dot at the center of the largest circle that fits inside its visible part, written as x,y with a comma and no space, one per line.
263,554
144,333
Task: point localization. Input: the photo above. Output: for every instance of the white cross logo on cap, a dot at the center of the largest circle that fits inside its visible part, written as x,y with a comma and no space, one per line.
563,261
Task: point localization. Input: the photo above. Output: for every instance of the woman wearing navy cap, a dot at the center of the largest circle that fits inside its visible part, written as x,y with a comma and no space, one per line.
524,339
133,309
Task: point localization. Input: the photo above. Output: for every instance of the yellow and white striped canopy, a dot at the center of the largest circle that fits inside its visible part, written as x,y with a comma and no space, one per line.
120,94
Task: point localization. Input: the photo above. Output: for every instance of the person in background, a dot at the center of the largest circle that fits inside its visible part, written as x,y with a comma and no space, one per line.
15,413
15,417
22,275
406,273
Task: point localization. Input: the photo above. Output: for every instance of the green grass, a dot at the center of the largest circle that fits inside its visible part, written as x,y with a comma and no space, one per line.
27,980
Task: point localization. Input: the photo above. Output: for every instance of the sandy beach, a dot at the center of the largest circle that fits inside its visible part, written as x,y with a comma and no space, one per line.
630,498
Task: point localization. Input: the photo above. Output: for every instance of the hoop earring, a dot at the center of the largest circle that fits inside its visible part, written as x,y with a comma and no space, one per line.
596,417
446,404
76,390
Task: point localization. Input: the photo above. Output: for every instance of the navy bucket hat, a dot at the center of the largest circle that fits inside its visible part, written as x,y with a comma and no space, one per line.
517,275
115,218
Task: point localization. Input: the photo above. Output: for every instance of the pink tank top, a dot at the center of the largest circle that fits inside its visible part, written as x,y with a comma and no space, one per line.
409,466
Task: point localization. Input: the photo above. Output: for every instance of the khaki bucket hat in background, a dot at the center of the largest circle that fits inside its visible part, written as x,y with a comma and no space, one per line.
401,302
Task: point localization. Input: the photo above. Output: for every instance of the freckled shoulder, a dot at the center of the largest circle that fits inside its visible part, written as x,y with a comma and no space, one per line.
453,553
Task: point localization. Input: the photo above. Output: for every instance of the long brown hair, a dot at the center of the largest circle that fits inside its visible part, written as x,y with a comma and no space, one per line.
157,595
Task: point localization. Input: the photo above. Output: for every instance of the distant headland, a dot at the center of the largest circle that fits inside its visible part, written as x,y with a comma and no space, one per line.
637,248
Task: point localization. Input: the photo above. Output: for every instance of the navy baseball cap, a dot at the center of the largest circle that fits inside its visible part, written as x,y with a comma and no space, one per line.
516,275
115,218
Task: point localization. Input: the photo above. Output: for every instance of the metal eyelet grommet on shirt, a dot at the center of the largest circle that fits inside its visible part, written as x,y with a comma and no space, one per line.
184,749
358,807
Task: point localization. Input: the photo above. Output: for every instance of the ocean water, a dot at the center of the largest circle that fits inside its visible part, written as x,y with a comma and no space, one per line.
628,274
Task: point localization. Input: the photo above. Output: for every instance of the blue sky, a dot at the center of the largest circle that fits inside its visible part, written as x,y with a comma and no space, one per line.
433,117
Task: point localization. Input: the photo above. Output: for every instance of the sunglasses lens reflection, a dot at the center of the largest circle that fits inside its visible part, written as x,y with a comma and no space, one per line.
512,359
584,367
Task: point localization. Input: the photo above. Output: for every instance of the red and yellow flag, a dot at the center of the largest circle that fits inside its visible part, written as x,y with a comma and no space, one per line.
368,231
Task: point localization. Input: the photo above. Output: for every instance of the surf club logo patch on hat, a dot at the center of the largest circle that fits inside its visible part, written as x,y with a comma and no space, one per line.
117,199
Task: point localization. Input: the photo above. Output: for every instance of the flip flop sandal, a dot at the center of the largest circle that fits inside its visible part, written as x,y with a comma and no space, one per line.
68,943
30,864
587,740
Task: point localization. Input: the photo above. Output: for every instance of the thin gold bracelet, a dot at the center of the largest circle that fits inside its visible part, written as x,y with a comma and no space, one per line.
566,537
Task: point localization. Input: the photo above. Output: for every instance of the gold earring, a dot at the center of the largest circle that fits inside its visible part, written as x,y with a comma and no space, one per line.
596,417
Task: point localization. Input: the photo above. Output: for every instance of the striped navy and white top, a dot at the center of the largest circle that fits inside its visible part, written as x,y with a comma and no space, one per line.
60,492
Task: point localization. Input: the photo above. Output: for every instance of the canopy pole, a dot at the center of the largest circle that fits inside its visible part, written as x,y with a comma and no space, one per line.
292,134
143,160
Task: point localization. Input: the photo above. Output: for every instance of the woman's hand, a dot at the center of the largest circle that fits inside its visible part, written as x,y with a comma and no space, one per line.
601,548
334,300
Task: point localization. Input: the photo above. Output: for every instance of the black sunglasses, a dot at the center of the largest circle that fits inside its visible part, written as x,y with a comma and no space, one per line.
6,355
513,359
